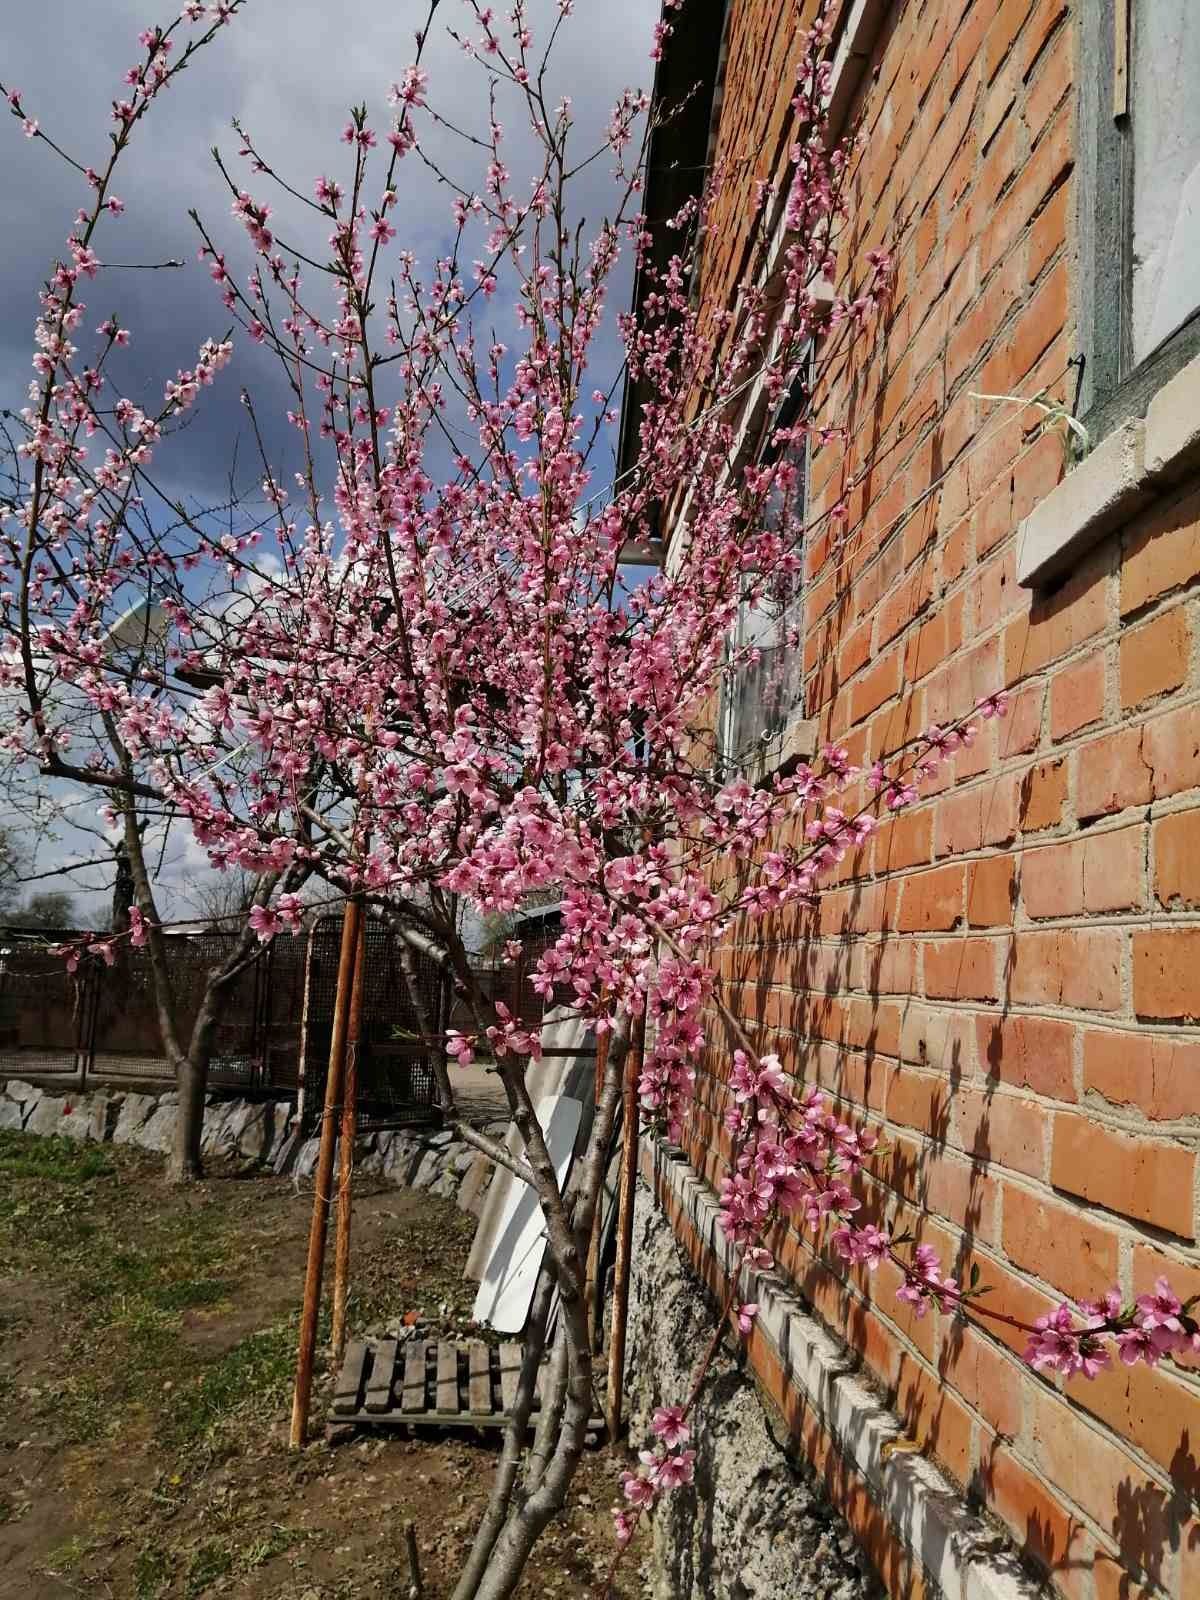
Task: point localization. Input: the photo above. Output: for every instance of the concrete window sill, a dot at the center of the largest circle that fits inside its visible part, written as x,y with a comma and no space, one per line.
1121,476
784,752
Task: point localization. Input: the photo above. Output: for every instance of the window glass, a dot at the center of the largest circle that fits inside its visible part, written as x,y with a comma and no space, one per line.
765,692
1165,105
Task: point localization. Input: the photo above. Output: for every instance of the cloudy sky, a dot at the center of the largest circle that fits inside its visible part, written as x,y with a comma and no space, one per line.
288,70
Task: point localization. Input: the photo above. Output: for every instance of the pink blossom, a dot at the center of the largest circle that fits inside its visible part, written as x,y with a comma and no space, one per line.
669,1426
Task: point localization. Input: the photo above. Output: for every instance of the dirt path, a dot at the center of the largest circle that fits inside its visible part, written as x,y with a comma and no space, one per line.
146,1347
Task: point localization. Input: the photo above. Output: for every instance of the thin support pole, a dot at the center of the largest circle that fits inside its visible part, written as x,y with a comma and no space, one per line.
626,1193
592,1292
305,1006
341,1255
302,1394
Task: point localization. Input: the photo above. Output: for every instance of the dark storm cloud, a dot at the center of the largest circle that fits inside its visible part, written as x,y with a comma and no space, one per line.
289,70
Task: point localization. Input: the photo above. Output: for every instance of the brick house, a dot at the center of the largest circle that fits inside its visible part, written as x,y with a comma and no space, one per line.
1007,980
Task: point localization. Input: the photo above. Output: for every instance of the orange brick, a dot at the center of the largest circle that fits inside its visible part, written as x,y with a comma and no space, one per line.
932,902
1171,750
1166,973
1002,1128
1077,696
1046,1532
1148,1406
1137,1177
1112,772
907,841
1154,1074
961,969
1068,967
1035,1053
1097,1474
1154,657
1100,872
1177,860
1053,1242
1162,554
881,683
990,892
1043,796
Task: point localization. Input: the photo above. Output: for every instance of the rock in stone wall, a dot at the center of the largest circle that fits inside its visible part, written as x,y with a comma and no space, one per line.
756,1524
247,1130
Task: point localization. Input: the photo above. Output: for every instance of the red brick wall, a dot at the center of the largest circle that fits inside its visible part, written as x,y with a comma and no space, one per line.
1006,981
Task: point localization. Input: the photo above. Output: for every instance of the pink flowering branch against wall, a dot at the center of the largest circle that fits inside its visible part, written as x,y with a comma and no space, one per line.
414,665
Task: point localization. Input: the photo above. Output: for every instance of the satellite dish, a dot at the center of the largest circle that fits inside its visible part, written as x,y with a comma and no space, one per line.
144,625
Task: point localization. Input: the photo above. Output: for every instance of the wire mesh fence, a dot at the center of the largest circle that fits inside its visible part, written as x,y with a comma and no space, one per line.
274,1018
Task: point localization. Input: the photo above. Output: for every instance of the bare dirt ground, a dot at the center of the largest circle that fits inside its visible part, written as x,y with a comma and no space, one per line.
147,1337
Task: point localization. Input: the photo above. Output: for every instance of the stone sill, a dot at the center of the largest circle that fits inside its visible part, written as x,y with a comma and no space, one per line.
1133,465
784,752
954,1544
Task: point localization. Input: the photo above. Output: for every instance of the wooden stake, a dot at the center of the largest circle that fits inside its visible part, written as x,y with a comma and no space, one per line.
341,1257
626,1192
310,1310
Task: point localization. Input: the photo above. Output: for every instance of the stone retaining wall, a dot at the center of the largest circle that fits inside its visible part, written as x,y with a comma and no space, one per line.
246,1130
756,1524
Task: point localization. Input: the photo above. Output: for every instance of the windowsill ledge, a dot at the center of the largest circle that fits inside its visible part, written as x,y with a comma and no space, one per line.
783,753
1120,477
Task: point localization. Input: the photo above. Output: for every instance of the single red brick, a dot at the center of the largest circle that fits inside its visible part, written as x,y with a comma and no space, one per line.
1035,1053
1046,1532
990,892
1021,729
1177,860
1077,696
1052,880
1154,657
961,969
1043,796
1114,869
1001,1128
932,902
1171,751
906,841
875,686
1049,232
1166,973
1163,554
1112,772
1053,1242
1078,967
1137,1177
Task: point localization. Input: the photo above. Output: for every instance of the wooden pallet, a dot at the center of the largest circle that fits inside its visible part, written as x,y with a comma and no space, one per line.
423,1383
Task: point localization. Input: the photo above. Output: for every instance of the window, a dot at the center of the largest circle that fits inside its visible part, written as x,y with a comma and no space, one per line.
763,697
1139,202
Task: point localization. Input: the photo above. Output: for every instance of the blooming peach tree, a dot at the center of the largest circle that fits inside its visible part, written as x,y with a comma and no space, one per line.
416,665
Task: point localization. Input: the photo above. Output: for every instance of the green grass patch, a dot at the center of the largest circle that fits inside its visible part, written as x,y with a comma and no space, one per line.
23,1155
211,1561
256,1374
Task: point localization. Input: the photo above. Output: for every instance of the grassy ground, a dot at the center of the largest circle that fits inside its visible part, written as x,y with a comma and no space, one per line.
147,1341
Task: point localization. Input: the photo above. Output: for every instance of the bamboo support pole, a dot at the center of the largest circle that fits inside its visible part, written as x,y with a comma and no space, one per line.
341,1257
318,1227
626,1192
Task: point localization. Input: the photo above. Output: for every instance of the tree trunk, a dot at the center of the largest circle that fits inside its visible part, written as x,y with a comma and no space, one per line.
191,1078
